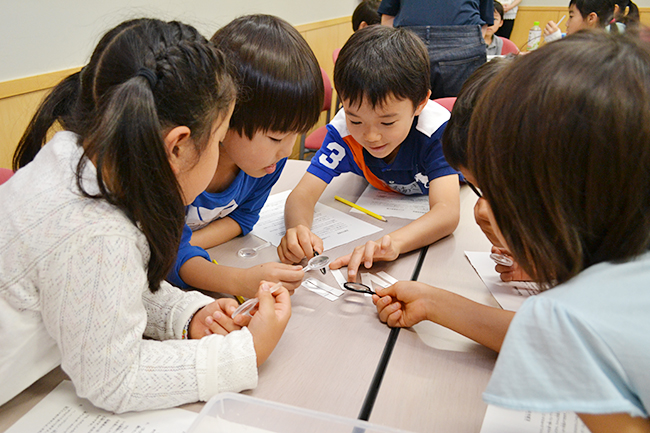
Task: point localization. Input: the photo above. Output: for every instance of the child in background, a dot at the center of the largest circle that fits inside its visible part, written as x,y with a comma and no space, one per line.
626,13
387,132
577,223
92,222
365,14
510,8
493,42
454,146
281,96
583,14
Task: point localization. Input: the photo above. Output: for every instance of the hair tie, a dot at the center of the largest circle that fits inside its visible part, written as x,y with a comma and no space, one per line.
149,75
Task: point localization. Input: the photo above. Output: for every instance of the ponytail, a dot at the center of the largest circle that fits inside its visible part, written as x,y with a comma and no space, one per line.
126,141
56,107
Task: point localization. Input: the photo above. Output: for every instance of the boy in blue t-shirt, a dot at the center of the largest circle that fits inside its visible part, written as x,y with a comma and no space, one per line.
281,95
388,132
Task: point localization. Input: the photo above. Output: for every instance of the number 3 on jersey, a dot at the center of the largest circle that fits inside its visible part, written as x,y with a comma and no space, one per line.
332,160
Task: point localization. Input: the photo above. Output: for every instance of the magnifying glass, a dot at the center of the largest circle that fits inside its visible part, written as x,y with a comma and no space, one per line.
247,306
502,259
249,252
359,288
316,262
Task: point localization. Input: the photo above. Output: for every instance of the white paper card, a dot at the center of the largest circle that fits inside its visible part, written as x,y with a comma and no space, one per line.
393,204
509,295
499,420
334,227
320,288
61,411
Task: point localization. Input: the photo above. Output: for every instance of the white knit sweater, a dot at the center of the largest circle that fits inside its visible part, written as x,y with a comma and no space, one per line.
73,285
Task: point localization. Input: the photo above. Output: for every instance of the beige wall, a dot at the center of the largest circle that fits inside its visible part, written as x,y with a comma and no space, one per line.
20,98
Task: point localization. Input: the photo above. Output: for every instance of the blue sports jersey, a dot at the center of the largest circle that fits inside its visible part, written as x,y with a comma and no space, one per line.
419,158
241,201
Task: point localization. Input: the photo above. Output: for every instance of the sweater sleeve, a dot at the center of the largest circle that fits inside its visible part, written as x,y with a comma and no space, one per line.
97,306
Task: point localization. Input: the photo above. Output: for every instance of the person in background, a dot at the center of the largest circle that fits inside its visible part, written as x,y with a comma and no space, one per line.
453,33
577,223
91,222
388,132
583,14
365,14
281,96
626,13
494,43
510,8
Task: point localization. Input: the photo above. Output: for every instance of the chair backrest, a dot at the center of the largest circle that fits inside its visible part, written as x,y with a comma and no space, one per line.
509,47
5,174
447,102
335,54
327,84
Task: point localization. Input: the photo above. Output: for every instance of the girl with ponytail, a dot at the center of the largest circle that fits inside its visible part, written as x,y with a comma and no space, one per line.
92,221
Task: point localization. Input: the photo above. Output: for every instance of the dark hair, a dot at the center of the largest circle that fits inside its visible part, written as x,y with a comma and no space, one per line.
366,11
454,138
380,61
567,175
499,8
281,85
632,17
144,77
604,9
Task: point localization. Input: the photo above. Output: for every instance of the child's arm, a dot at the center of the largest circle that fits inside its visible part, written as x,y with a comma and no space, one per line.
440,221
618,422
387,20
216,233
406,303
205,275
299,242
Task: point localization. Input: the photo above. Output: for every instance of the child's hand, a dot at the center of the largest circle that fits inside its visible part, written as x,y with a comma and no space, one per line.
214,318
382,250
550,28
270,320
299,242
403,304
482,219
510,273
289,275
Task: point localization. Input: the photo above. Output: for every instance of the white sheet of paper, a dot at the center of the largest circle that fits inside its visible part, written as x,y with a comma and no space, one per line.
61,411
320,288
393,204
509,295
499,420
334,227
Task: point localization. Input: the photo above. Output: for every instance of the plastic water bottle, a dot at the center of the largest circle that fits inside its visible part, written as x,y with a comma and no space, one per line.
534,36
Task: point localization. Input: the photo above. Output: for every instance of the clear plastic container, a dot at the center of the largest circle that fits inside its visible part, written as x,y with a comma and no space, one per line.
534,37
238,413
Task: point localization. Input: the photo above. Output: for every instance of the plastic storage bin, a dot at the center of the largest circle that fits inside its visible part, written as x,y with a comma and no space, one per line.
238,413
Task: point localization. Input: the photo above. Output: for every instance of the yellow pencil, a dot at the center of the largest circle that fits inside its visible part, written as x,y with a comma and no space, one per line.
357,207
240,299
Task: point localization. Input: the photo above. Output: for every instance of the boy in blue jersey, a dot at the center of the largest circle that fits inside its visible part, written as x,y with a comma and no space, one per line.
281,95
389,132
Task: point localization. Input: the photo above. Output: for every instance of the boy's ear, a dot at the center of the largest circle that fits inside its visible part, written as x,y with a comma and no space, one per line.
592,19
363,25
421,105
179,147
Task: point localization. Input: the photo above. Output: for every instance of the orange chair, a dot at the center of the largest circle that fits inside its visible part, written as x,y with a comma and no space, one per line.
311,143
509,47
448,102
5,174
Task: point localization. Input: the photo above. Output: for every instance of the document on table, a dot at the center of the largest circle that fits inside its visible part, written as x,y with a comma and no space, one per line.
334,227
393,204
499,420
61,411
509,295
